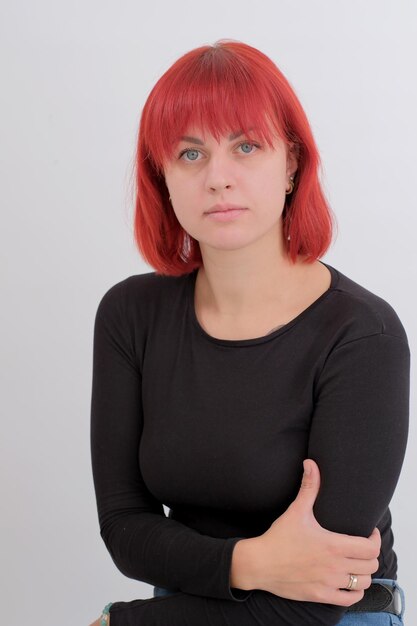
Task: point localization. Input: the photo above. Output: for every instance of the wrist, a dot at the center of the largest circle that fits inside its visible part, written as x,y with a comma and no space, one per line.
245,565
105,616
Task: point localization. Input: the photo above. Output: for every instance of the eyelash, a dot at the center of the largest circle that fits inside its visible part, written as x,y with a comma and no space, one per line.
250,143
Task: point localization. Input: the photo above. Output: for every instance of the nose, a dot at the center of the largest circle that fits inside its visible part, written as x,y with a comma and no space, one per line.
219,174
219,187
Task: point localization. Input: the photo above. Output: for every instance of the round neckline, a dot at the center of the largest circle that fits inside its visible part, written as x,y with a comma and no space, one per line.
264,338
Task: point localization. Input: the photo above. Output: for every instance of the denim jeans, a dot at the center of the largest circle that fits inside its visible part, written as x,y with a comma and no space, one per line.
349,619
377,619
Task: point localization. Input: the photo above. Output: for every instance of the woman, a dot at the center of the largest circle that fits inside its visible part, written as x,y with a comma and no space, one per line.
241,356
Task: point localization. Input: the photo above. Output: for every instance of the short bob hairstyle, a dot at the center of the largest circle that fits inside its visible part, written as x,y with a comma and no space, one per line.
222,88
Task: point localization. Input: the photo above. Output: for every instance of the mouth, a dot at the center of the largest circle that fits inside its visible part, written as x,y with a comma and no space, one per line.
224,208
225,215
226,211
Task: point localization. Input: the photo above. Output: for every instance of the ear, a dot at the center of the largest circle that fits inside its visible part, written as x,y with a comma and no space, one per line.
293,152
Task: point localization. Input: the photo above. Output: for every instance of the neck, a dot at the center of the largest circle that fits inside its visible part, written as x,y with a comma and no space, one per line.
239,282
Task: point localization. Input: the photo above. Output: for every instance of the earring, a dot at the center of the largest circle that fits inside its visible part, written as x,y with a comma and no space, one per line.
287,229
290,190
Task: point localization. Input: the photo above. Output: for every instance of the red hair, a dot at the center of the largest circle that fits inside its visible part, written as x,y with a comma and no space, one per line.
219,88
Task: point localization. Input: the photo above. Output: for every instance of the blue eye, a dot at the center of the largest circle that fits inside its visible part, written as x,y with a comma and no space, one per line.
191,150
187,150
247,143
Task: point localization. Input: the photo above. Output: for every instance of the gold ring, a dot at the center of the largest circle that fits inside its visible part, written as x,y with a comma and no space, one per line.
352,582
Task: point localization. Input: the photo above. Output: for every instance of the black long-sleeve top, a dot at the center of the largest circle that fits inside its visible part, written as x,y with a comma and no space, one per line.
217,430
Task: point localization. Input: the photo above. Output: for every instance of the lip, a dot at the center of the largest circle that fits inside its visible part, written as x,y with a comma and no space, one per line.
225,216
221,208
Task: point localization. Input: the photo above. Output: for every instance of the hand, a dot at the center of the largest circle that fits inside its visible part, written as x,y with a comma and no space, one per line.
97,622
301,560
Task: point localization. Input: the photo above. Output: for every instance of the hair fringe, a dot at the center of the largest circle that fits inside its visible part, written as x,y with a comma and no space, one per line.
201,88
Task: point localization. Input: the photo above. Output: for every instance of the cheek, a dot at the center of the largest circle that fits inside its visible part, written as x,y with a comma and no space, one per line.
270,184
269,191
272,173
179,187
185,211
172,178
188,196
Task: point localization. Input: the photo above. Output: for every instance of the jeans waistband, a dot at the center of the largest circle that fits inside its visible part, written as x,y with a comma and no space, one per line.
384,594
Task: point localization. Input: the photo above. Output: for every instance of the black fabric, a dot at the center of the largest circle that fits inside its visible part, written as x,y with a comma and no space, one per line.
377,598
217,431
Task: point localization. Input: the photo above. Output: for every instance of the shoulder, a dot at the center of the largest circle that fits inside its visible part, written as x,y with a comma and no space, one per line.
141,292
137,308
359,312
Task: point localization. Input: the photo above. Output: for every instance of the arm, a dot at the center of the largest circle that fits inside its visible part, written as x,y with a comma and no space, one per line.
359,431
148,546
300,560
143,543
358,438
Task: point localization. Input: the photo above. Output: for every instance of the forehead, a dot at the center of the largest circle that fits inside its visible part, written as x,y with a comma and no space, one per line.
199,135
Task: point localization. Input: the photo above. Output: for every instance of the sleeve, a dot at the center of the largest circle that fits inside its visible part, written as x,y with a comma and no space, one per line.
143,542
358,438
359,431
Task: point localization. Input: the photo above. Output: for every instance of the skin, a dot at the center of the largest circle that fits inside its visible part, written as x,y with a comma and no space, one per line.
234,171
247,277
296,558
245,261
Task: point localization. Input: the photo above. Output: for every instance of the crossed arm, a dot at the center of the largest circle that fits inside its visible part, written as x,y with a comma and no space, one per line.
147,546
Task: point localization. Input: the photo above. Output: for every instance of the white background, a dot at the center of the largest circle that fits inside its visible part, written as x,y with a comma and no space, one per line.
74,78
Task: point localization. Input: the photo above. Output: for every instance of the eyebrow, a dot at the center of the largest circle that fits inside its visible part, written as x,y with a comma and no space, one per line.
201,143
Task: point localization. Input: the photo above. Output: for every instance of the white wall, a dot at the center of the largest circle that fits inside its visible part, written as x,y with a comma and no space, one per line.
75,76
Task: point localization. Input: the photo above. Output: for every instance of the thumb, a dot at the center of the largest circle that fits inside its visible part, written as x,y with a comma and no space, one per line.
310,485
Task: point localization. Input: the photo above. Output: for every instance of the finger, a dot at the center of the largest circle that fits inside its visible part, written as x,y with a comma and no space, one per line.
346,598
362,582
356,547
309,487
363,567
375,537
